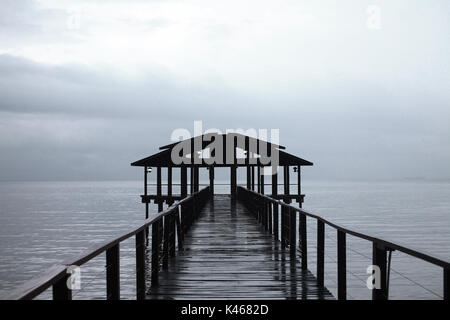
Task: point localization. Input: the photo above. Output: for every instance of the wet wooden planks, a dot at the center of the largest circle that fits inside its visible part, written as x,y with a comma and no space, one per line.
227,255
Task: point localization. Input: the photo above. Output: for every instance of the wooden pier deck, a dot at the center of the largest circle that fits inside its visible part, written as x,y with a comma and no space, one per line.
228,255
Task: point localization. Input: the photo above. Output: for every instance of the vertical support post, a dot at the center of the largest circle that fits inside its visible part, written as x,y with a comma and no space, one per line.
158,182
275,220
192,180
266,215
283,227
269,213
224,149
342,266
155,252
145,190
183,172
446,284
253,178
146,201
165,252
261,179
140,265
179,228
303,241
258,178
249,185
292,232
60,289
211,180
196,179
158,189
233,181
379,259
169,182
320,253
286,183
274,185
172,233
113,273
247,151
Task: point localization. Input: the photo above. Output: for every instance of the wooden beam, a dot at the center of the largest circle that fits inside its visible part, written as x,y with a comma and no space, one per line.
169,181
446,284
113,273
258,178
211,180
379,259
192,180
342,266
140,266
158,181
303,241
61,290
261,179
275,184
253,178
233,181
320,253
159,189
286,182
183,178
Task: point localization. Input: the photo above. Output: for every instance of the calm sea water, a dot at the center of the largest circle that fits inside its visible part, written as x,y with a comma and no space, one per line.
42,223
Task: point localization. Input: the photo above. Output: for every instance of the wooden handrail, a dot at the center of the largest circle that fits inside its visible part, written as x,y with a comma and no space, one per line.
427,257
380,246
59,272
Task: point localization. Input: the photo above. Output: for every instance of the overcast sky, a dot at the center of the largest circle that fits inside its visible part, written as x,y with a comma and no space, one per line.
87,87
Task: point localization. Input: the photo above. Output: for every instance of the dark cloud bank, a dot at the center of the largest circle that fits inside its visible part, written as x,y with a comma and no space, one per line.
72,122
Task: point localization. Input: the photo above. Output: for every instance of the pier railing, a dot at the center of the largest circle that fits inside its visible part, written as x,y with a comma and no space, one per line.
168,229
269,211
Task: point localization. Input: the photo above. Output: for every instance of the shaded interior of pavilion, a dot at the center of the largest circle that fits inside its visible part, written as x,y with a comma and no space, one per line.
184,167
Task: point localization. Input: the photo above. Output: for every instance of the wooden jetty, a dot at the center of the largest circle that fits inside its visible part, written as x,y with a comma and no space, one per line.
250,244
227,255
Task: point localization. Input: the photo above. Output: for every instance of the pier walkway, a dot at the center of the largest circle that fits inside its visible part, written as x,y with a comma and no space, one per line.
228,255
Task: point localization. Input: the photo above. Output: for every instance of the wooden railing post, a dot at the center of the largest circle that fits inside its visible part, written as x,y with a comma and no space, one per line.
269,213
341,266
172,233
155,252
303,241
179,228
266,215
211,180
140,265
292,231
446,284
113,273
379,260
166,235
320,252
283,227
183,178
61,290
275,221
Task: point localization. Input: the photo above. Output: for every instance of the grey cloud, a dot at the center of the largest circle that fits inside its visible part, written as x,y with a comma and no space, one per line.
388,120
75,123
